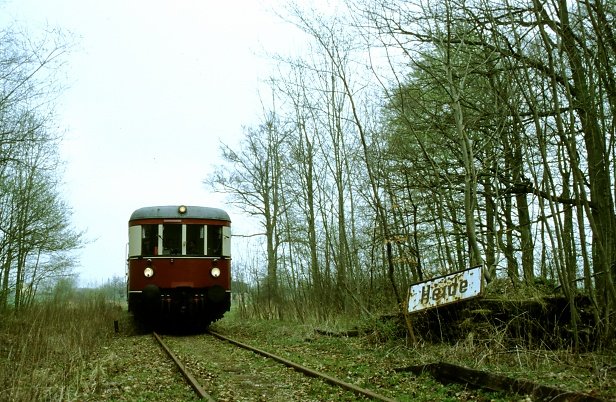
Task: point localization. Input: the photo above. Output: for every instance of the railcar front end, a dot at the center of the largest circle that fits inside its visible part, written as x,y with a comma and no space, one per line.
179,263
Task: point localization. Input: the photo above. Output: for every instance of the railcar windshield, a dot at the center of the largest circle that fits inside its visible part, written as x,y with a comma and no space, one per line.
195,239
169,239
214,240
172,239
149,240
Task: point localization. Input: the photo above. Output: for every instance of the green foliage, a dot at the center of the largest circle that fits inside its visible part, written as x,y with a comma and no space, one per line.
506,289
384,329
372,356
491,149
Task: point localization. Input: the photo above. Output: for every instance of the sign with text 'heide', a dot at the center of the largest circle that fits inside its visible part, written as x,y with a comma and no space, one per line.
446,289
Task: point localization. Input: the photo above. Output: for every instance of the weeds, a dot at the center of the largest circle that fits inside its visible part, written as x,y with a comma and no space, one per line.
45,348
379,348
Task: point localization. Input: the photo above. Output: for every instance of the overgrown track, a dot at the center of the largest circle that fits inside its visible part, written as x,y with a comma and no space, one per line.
306,370
198,388
217,364
189,377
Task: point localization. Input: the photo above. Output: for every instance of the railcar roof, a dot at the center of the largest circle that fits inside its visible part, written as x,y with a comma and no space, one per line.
172,211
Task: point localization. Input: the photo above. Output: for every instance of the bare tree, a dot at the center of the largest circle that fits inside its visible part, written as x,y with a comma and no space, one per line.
254,182
34,221
546,71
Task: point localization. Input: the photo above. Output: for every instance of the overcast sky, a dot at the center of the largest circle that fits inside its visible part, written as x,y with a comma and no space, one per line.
153,86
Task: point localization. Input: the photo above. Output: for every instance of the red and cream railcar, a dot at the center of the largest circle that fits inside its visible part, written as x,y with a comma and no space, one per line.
179,263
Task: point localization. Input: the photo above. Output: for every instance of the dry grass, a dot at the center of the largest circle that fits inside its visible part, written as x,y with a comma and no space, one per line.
66,349
44,349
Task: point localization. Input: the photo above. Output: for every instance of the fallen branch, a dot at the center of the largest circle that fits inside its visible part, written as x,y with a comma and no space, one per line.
447,373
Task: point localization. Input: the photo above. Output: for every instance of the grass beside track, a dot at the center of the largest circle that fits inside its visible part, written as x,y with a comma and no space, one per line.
45,349
68,350
379,350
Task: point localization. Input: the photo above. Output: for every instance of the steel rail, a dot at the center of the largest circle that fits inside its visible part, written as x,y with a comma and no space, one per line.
307,371
189,377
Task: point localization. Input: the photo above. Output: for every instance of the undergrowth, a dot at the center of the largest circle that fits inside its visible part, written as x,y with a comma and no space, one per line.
382,343
44,348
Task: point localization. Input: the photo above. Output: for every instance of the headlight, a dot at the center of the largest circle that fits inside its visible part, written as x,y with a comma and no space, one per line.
148,272
215,272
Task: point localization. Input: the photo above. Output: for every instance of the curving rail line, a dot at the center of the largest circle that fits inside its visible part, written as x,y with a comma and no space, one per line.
304,370
307,371
442,371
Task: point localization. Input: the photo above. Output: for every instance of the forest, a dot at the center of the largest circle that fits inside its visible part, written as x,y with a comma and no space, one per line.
403,141
417,138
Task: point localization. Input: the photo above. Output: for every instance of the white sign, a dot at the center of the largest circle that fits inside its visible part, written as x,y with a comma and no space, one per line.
446,289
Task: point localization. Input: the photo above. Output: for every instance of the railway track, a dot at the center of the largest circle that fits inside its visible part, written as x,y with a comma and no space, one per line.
191,364
192,381
217,365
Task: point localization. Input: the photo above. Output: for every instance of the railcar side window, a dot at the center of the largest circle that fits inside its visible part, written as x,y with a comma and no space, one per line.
214,240
172,239
149,239
194,239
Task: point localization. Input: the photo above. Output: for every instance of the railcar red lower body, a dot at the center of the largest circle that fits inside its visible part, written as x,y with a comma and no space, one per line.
185,288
